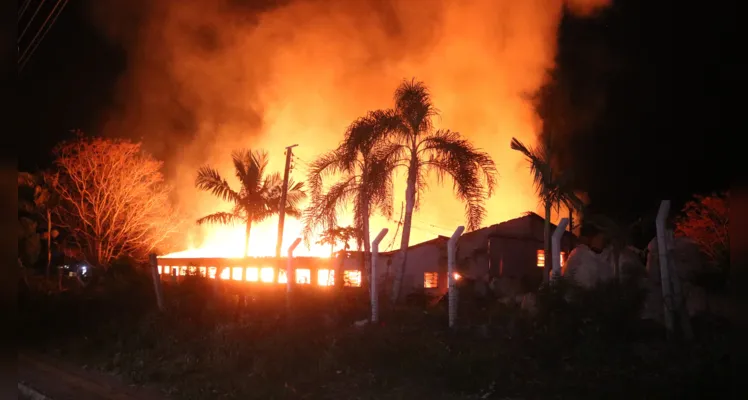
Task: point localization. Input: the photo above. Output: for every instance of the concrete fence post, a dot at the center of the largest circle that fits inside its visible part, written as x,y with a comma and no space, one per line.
156,281
452,282
290,275
373,278
556,248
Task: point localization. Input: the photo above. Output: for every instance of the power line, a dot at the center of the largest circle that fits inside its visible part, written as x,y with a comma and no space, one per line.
28,25
22,11
34,43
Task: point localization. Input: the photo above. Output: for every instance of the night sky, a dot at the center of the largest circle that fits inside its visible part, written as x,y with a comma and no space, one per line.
662,69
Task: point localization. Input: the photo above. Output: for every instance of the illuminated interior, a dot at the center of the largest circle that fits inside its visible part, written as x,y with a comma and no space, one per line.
326,277
267,274
430,280
563,258
253,275
303,276
352,278
282,276
322,277
541,258
236,273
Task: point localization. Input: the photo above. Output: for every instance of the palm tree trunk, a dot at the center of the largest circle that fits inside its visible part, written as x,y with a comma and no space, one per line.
547,243
246,236
410,202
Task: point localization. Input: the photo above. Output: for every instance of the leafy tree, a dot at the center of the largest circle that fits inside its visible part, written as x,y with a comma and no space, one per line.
552,186
257,199
38,199
113,199
415,145
706,220
336,234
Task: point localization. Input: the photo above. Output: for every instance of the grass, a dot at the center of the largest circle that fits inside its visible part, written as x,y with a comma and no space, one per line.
209,346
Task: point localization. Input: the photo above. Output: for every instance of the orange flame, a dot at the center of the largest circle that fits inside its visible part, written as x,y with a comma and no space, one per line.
301,72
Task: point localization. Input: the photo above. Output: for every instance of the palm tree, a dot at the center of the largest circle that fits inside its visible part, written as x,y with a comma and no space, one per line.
416,146
365,169
259,196
552,185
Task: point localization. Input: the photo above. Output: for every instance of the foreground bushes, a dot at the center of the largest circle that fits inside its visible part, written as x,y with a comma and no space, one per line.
579,344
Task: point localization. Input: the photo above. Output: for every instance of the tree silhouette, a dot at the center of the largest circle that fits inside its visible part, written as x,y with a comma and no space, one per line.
257,199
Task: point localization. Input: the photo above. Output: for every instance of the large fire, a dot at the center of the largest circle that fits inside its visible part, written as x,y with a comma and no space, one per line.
233,77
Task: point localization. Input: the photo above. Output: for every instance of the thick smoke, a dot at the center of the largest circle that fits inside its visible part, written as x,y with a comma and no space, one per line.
207,77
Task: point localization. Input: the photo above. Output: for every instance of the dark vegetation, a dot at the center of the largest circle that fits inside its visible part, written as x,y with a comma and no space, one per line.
579,344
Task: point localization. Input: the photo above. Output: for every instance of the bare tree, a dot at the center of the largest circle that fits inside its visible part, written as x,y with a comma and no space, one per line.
113,198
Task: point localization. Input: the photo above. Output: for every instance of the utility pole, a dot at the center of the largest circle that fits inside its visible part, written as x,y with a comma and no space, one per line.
282,206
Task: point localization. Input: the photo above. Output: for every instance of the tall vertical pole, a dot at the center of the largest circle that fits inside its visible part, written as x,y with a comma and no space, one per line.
282,206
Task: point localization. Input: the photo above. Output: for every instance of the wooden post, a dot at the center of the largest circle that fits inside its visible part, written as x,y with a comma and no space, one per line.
156,281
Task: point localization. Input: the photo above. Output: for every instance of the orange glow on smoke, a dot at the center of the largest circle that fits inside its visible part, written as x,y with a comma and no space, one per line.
202,82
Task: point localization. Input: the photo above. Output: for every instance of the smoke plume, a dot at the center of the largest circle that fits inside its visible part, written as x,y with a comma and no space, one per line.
207,77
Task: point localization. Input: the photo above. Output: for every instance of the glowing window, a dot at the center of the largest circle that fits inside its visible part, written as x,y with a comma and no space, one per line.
183,271
160,269
167,269
212,271
253,275
203,271
326,277
541,258
282,276
267,274
563,257
352,278
303,276
225,273
192,271
236,273
430,280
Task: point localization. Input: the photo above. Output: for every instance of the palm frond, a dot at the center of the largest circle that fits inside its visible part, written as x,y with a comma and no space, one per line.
365,133
323,208
241,160
209,180
295,195
473,172
327,164
413,103
221,218
256,169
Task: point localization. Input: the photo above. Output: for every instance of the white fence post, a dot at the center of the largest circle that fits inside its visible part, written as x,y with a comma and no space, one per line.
556,248
451,261
662,246
373,280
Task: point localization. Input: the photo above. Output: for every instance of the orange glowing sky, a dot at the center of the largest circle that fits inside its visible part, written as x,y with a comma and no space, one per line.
300,73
